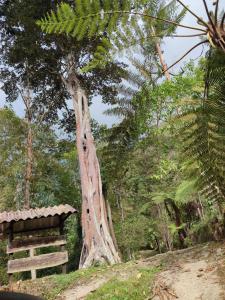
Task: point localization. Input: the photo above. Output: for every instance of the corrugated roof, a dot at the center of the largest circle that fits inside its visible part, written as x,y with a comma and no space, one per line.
36,213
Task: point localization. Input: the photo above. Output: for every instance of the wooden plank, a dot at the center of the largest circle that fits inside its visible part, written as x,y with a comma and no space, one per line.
64,266
35,242
33,272
10,282
37,262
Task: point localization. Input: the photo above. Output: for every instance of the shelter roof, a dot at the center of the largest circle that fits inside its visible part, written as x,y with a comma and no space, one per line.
34,219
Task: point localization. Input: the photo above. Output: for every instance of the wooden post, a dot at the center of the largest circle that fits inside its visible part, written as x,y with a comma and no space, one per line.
62,247
10,233
10,239
64,266
10,282
33,272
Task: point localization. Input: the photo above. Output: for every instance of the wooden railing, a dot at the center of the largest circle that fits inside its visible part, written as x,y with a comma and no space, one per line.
33,262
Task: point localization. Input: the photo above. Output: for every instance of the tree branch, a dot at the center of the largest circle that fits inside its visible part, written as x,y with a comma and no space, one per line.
193,13
222,22
41,117
182,36
216,12
63,80
183,56
169,36
23,98
209,17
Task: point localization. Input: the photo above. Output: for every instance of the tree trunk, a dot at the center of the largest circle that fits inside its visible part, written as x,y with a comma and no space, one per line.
98,246
15,200
29,161
161,57
175,215
28,169
163,227
162,61
111,227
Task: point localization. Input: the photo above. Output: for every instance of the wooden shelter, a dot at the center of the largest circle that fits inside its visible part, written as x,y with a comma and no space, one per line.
28,230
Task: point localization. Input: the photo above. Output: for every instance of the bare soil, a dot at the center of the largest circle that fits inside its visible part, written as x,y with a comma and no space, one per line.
192,274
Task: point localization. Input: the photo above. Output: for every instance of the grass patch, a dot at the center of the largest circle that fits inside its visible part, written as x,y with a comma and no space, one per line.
137,287
59,283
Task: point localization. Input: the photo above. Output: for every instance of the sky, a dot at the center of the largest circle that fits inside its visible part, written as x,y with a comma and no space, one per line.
173,49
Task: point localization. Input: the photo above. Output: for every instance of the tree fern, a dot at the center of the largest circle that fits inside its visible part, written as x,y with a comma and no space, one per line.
90,17
185,191
120,24
203,131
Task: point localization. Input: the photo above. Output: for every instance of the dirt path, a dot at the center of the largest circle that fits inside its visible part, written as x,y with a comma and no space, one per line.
196,273
191,281
80,292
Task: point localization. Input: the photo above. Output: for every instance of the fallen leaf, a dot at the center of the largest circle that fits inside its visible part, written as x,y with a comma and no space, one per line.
139,275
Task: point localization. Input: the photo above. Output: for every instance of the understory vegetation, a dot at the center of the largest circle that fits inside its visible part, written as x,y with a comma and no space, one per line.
157,175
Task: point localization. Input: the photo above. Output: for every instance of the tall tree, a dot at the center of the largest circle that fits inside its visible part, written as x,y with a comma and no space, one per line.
29,165
55,64
12,149
21,71
98,245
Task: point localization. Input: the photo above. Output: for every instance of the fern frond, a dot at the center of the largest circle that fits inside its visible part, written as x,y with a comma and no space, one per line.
203,137
90,18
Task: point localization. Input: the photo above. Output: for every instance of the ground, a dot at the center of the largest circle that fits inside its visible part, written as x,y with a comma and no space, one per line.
196,273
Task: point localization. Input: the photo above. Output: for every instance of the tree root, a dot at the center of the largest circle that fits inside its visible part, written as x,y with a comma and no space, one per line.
162,291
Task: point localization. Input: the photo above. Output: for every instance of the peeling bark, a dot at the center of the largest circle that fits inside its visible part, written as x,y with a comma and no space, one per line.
98,246
110,221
